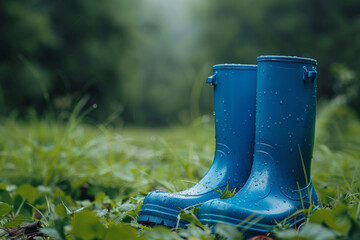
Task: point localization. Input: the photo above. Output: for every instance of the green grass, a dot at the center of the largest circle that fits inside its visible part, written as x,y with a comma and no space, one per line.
88,182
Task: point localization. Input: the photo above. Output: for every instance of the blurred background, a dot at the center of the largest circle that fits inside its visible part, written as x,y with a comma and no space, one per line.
144,62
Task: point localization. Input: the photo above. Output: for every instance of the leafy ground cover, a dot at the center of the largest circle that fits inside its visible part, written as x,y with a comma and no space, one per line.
77,181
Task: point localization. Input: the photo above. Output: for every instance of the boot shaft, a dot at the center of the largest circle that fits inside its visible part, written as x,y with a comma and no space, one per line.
285,114
234,108
234,103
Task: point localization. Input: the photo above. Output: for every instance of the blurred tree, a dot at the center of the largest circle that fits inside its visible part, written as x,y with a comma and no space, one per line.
329,31
54,52
25,30
148,59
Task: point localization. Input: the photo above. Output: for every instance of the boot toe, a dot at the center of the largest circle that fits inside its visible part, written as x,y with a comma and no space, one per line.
258,216
163,208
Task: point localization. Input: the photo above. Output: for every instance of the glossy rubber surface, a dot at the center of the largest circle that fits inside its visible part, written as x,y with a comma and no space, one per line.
285,124
235,99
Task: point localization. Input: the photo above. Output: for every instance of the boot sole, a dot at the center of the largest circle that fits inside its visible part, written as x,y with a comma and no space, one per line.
151,214
249,228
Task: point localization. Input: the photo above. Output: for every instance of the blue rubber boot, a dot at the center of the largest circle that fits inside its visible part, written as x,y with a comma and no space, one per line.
279,184
235,99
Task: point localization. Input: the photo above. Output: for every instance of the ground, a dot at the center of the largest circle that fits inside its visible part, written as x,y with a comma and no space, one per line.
82,181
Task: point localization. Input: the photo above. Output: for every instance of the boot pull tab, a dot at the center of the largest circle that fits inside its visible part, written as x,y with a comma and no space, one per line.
212,80
312,75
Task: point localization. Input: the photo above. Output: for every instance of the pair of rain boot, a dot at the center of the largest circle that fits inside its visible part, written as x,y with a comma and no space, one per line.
264,126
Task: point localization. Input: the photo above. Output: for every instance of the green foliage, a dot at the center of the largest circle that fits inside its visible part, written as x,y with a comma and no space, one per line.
227,193
28,192
228,232
190,217
86,182
86,225
146,61
5,209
